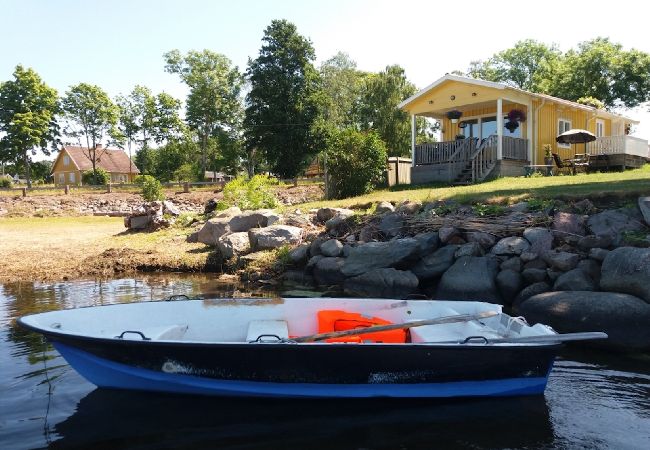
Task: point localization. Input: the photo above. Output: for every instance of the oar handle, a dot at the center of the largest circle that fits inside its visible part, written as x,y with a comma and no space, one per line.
541,339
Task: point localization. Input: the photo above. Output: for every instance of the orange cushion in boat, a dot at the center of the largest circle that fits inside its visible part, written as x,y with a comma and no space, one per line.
335,320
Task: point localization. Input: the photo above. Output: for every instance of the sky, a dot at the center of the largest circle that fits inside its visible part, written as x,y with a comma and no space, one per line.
117,44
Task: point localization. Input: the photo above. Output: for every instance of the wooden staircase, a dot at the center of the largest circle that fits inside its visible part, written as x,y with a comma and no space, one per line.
477,164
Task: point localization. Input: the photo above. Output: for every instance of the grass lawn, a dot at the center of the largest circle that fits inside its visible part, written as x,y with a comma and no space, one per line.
513,189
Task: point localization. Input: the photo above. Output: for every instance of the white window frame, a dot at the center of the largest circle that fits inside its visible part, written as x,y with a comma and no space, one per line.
72,177
600,123
62,178
66,160
562,130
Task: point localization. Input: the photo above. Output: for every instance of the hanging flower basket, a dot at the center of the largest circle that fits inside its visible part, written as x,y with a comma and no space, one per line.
512,126
454,115
516,115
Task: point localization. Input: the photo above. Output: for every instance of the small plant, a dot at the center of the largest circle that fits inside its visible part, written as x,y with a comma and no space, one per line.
186,219
538,204
636,238
255,193
152,189
548,150
460,137
5,183
97,178
483,210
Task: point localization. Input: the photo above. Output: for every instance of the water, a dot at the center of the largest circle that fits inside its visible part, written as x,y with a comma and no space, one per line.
593,400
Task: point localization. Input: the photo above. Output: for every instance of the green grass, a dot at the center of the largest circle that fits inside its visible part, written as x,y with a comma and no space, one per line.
512,189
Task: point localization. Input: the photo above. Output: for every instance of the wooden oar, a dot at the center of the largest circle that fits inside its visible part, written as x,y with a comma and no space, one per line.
541,339
396,326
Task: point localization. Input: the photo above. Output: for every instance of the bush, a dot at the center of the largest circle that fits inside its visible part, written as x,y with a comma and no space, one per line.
356,162
255,193
5,183
152,189
102,177
186,172
140,179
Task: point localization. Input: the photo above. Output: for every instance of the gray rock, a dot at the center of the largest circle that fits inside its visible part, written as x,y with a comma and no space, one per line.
553,274
139,222
563,261
325,214
447,233
233,243
521,207
584,206
314,248
346,250
591,268
333,247
339,219
536,264
509,283
391,224
527,257
512,245
170,208
229,213
386,283
368,233
574,280
527,292
644,207
213,230
300,254
193,238
470,278
513,263
627,270
533,275
327,271
623,317
568,224
614,223
384,207
408,207
435,264
586,243
598,254
249,219
428,242
469,249
541,239
378,255
311,263
274,236
485,240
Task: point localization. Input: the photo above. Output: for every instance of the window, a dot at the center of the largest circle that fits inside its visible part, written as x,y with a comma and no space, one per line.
66,160
61,178
71,177
600,128
562,126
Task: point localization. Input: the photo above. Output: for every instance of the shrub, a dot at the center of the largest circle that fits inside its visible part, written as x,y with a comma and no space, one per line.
255,193
95,179
152,189
5,183
186,172
140,179
356,162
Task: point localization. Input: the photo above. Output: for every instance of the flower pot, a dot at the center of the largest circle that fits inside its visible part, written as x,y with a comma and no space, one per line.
454,120
548,161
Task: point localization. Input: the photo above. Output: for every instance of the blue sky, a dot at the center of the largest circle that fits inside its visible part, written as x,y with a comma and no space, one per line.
118,44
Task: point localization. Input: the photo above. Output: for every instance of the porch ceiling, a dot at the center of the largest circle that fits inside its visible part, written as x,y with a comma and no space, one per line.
440,113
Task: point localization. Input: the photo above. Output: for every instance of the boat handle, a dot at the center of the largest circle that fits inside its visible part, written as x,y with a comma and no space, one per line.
259,338
177,297
144,338
468,339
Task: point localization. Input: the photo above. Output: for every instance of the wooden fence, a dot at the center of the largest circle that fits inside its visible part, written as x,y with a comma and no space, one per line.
399,171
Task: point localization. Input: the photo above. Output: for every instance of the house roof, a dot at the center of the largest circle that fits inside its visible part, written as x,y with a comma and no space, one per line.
113,160
503,86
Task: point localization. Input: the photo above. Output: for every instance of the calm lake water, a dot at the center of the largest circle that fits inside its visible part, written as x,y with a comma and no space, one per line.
593,400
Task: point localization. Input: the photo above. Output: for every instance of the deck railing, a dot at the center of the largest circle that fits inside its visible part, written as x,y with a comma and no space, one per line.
610,145
460,159
437,152
515,148
484,158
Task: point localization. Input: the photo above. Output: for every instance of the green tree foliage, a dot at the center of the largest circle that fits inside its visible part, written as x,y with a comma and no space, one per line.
97,178
91,118
185,172
591,101
41,170
284,101
213,104
28,109
5,183
342,87
254,193
356,162
152,189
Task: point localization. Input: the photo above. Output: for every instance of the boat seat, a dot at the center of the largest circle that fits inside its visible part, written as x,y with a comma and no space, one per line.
270,328
451,332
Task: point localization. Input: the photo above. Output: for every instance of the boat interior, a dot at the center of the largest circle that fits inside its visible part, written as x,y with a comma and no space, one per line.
267,320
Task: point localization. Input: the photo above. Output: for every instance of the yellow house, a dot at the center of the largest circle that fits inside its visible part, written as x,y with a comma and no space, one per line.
492,129
72,161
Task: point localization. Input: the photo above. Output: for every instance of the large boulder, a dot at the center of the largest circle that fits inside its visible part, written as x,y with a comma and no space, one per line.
563,261
274,236
327,271
644,206
567,224
428,242
613,223
623,317
470,278
527,292
574,280
509,283
513,263
299,255
387,283
541,240
586,243
408,207
213,230
251,219
378,255
391,224
533,275
627,269
233,243
485,240
513,245
171,209
435,264
469,249
325,214
384,207
332,247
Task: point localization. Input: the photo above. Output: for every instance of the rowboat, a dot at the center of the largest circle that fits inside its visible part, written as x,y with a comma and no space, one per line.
302,347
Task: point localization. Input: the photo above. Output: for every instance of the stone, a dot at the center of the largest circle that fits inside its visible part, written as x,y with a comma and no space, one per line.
391,224
210,206
533,275
314,248
446,233
325,214
428,242
536,264
249,219
528,256
171,209
213,230
591,268
627,270
335,222
485,240
435,264
623,317
586,243
408,207
563,261
553,274
299,255
386,283
384,207
584,206
509,283
512,245
274,236
541,240
233,243
513,263
327,271
229,212
470,278
193,237
598,254
644,207
614,223
346,250
565,223
456,240
332,247
527,292
520,207
574,280
140,222
469,249
311,263
368,233
379,255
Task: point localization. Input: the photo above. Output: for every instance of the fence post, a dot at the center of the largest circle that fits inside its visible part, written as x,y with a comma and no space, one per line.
186,187
24,192
109,187
66,189
295,182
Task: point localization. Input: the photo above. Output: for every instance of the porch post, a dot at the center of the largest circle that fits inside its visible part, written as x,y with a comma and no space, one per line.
499,128
413,131
529,133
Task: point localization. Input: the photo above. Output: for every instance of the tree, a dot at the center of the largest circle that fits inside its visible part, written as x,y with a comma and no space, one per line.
91,118
28,109
213,103
284,101
342,86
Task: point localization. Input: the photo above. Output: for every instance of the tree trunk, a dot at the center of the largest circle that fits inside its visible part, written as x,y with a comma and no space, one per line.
204,150
28,174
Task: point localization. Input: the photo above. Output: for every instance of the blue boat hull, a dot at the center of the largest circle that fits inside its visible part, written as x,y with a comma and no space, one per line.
110,374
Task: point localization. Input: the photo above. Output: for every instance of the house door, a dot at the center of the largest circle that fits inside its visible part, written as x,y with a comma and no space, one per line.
471,128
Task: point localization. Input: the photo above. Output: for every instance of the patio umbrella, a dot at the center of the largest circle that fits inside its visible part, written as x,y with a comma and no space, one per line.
576,136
